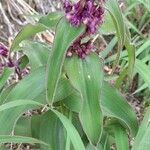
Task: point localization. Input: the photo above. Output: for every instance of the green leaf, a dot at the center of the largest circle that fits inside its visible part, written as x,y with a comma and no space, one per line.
27,31
18,103
143,71
116,14
5,93
51,20
33,84
30,87
115,105
27,89
23,62
23,127
50,130
71,131
37,53
143,137
87,76
19,139
4,77
131,57
121,137
107,27
65,35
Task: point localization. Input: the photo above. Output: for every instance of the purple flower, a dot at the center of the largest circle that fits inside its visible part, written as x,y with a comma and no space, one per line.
88,13
3,50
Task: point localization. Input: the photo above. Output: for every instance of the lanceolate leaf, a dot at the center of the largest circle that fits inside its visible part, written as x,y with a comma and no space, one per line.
32,84
121,137
19,139
115,105
5,75
143,71
37,53
50,130
65,35
18,103
71,131
143,137
87,76
115,12
26,32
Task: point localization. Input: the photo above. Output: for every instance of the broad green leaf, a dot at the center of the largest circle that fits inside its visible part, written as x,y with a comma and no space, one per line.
18,103
143,71
27,89
51,20
5,93
30,87
71,131
143,137
65,35
86,75
37,53
4,77
33,84
19,139
121,137
115,105
73,101
23,127
50,130
27,31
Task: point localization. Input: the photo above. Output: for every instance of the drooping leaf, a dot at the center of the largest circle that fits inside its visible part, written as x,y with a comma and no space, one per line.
65,35
115,105
87,76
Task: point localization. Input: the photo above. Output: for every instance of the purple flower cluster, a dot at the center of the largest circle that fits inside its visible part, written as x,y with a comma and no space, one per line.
88,13
3,50
8,61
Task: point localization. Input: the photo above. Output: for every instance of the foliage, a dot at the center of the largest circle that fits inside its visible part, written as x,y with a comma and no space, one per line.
79,108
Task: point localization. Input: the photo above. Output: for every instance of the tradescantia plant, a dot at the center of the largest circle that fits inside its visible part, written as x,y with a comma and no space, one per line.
77,108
